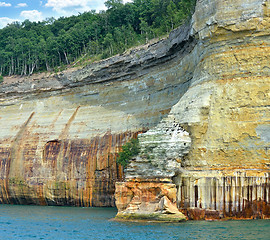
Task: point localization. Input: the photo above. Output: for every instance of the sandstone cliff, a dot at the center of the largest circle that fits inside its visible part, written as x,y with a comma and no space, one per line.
204,94
226,114
60,133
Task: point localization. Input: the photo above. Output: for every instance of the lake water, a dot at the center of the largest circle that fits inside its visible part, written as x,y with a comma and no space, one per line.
38,222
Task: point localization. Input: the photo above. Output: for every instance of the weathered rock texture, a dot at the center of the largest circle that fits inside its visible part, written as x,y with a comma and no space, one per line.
60,134
209,82
226,112
147,200
161,151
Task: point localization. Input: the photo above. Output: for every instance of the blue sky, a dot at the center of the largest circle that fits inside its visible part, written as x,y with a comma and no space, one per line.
37,10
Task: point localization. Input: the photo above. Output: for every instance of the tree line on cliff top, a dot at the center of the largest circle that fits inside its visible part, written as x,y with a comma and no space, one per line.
51,45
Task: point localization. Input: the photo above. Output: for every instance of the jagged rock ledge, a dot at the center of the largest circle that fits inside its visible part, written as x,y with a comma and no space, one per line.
130,65
147,200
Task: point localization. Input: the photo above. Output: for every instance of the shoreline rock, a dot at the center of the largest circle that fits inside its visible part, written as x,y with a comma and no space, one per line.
147,200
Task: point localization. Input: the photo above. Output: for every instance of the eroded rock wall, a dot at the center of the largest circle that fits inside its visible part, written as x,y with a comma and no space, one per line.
227,168
209,82
226,113
60,133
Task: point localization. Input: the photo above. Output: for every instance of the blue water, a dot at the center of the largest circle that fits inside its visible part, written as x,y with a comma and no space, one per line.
37,222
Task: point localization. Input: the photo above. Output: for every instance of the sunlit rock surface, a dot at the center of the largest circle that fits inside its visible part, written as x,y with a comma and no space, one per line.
148,192
147,200
226,113
60,133
161,151
206,86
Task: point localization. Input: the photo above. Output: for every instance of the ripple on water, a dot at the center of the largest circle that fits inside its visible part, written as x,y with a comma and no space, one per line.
38,222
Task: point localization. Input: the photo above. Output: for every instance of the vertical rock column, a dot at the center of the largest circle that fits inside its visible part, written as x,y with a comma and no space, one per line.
223,194
148,192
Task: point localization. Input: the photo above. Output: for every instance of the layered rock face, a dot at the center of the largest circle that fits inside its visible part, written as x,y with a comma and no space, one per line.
199,101
60,133
226,113
147,200
148,192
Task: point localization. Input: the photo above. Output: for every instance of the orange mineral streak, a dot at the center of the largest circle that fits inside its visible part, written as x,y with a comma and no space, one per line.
79,172
239,197
143,194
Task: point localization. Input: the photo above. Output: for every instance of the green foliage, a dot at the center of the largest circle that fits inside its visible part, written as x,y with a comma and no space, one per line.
1,79
29,47
129,150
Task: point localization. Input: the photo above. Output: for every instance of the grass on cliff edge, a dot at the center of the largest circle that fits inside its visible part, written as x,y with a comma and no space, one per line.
129,150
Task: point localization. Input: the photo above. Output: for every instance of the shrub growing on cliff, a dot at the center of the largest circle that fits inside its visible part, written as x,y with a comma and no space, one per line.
129,150
1,79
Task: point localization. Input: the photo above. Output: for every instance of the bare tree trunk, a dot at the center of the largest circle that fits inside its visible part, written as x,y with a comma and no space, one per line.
32,68
47,66
12,66
18,65
59,57
22,69
25,68
66,57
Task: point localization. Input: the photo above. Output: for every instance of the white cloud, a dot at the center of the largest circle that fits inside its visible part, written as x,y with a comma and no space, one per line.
21,5
5,21
72,7
32,15
61,6
4,4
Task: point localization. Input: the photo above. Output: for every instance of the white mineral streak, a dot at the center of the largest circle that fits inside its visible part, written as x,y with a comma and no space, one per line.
215,140
162,150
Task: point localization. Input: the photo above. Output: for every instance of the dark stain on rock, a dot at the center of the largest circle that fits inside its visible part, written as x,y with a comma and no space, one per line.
233,197
14,162
85,175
